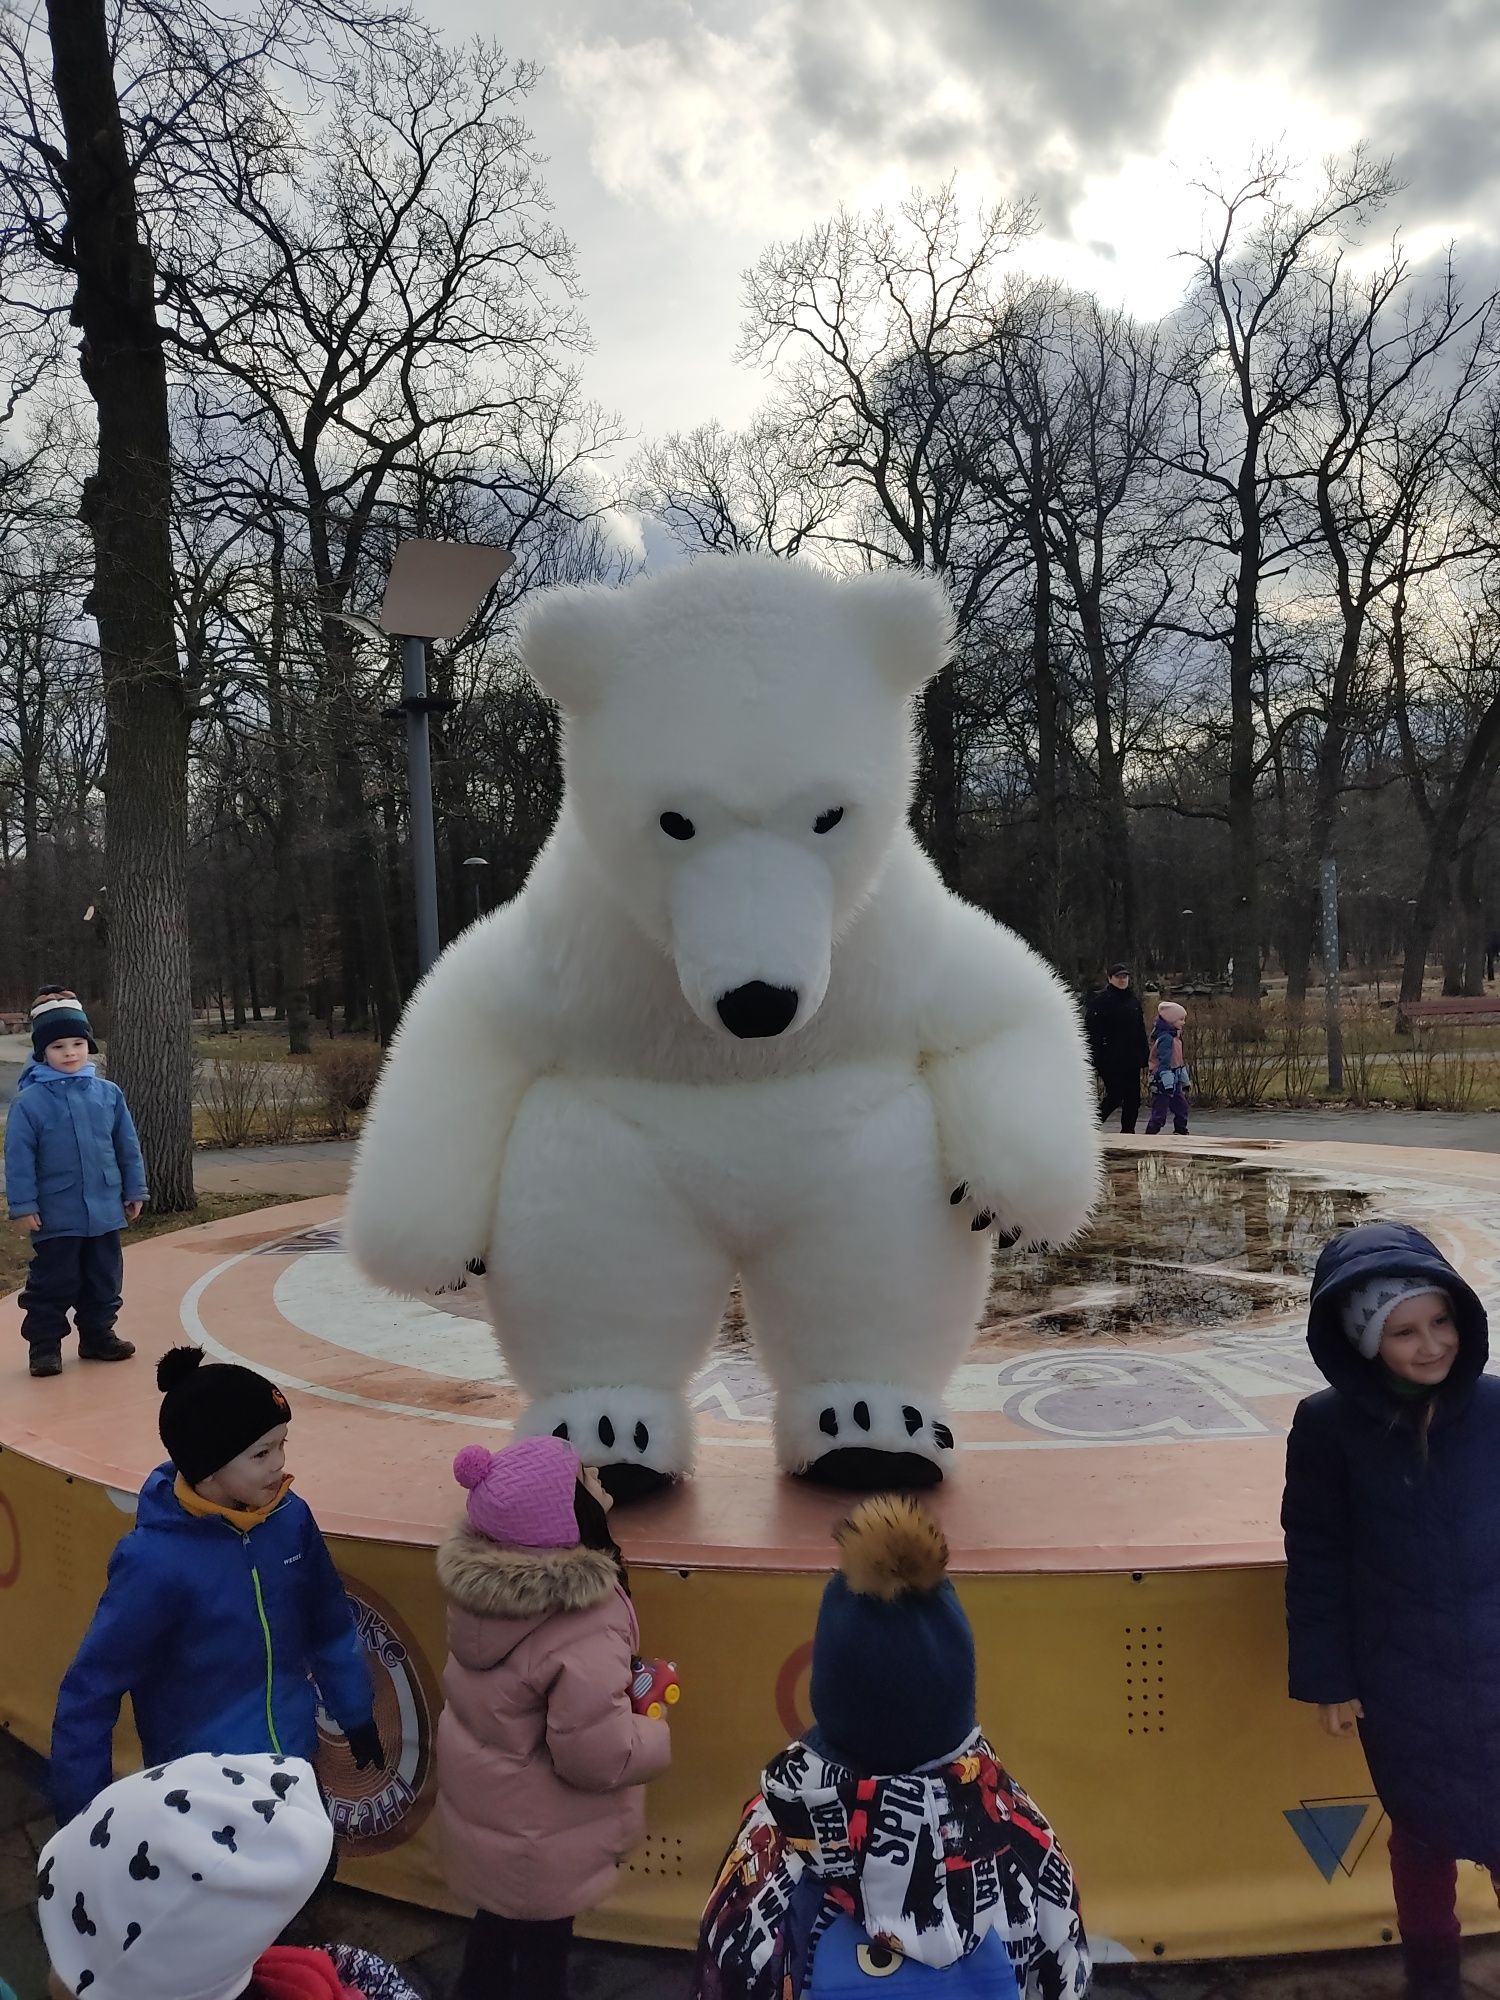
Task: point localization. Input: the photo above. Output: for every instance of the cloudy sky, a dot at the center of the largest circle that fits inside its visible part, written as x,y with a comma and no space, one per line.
685,135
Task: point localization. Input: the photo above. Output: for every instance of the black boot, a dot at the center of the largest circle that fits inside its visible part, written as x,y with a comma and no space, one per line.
1432,1972
104,1347
46,1361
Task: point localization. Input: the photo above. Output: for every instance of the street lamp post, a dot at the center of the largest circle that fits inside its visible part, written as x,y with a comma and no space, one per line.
433,590
475,864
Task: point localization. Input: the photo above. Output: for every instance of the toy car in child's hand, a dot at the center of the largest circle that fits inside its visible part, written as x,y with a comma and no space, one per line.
654,1687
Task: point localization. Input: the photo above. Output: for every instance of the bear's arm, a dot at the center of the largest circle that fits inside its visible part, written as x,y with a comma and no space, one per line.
1007,1066
427,1171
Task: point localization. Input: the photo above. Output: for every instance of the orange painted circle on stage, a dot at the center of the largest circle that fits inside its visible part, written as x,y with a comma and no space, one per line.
788,1684
10,1570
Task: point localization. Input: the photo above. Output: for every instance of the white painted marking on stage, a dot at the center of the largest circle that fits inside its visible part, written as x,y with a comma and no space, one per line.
192,1325
326,1297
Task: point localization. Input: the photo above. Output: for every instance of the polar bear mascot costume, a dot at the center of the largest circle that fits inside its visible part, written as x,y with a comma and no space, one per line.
733,1024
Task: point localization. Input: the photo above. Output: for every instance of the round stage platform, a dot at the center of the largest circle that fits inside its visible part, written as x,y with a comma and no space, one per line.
1113,1522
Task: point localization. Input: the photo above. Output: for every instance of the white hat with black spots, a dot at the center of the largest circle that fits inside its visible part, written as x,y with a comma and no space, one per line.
1366,1308
175,1880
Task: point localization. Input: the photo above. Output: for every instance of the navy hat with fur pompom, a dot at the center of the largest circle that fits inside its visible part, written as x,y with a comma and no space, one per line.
893,1656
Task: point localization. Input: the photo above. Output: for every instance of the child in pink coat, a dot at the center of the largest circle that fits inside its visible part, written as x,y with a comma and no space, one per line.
540,1756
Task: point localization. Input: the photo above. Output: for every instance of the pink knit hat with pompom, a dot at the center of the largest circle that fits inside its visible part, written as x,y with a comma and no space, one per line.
522,1496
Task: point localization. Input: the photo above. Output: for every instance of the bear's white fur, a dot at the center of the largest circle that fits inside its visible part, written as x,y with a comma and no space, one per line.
564,1100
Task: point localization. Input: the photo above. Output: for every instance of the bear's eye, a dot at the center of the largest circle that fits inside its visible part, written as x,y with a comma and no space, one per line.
676,827
826,822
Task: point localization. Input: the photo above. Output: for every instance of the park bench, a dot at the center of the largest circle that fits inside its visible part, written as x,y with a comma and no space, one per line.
1468,1010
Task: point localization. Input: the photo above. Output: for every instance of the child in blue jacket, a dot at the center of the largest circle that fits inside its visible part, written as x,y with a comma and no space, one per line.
1392,1519
223,1606
74,1179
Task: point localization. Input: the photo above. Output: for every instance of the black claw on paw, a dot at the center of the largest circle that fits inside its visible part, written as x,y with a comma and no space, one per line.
828,1423
942,1437
982,1220
1004,1238
911,1416
626,1483
862,1415
561,1432
642,1437
476,1267
606,1433
862,1469
959,1193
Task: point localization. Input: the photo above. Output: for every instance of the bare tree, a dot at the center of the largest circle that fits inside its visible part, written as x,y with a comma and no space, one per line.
397,301
876,327
1250,365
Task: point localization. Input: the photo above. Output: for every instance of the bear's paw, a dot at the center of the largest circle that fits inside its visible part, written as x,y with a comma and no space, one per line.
864,1437
640,1441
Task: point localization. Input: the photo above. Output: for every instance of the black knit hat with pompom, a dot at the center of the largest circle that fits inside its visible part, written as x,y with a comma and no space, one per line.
212,1411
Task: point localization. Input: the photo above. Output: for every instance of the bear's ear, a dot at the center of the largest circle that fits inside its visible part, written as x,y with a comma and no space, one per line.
906,623
564,644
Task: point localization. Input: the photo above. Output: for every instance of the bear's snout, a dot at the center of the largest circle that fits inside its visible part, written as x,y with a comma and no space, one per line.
755,1011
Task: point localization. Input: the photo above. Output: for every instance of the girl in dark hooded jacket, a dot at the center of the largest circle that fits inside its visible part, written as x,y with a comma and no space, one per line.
1392,1520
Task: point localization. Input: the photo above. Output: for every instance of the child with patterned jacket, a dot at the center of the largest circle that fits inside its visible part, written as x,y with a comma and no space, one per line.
541,1758
74,1179
1169,1079
223,1607
1392,1520
889,1840
178,1883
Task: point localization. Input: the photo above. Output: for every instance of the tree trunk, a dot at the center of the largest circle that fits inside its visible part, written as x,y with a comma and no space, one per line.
1244,891
367,883
126,504
940,722
1116,862
1044,690
1447,825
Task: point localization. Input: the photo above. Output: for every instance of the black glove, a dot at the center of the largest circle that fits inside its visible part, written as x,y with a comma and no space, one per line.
365,1746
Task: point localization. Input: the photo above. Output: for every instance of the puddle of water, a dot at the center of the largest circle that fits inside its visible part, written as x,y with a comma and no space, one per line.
1179,1243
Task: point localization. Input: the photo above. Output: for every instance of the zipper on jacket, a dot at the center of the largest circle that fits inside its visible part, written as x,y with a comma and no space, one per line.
265,1626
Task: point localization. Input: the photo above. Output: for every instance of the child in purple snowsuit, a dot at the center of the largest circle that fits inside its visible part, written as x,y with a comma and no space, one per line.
1169,1077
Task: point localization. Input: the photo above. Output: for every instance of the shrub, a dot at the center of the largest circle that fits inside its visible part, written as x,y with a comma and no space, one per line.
1231,1053
285,1102
1303,1044
1417,1067
346,1080
1366,1028
232,1094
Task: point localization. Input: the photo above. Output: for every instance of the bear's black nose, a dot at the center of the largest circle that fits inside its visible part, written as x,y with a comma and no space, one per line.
757,1010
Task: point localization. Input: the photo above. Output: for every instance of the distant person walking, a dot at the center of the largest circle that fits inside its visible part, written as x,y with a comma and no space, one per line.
1116,1029
1169,1071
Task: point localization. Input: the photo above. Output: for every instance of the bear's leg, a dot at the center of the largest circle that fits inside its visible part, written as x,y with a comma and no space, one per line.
604,1289
866,1304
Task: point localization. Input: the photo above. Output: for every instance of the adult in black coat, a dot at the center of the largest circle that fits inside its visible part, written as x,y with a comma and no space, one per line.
1116,1029
1392,1520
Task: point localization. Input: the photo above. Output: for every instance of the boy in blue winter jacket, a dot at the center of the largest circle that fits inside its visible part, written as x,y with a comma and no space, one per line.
74,1179
223,1606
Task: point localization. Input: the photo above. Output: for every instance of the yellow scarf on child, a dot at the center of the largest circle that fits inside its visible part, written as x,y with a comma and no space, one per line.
241,1519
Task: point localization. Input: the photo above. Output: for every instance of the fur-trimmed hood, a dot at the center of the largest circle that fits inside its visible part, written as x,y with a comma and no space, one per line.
509,1592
